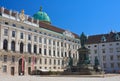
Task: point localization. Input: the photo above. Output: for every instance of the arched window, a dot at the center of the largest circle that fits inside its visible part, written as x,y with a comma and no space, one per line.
5,44
35,49
21,47
13,45
29,48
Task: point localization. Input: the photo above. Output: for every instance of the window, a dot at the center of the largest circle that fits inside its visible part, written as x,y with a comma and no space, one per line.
45,52
118,65
5,45
29,37
29,60
88,46
95,45
58,54
13,33
5,32
40,40
29,48
65,54
117,43
40,60
104,58
21,47
50,62
54,62
35,60
6,23
4,68
104,65
40,50
118,49
61,44
54,53
35,38
29,29
103,50
5,58
111,57
61,54
14,25
95,51
117,37
49,41
45,40
35,30
118,57
111,50
57,43
53,42
22,27
21,35
13,59
103,39
45,61
58,62
35,49
103,45
13,45
49,52
112,65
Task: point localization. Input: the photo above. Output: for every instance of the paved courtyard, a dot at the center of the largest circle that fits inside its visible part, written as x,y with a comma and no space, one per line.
63,78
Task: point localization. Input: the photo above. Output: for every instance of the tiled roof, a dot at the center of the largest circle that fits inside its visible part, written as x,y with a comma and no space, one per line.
97,38
41,24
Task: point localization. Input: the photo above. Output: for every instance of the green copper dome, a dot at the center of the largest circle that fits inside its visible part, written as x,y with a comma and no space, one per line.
42,16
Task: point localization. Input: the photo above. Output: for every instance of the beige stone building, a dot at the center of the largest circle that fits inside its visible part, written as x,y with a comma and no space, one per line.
29,43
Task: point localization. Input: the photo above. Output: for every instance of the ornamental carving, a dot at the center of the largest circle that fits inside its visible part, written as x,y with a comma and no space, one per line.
22,16
69,34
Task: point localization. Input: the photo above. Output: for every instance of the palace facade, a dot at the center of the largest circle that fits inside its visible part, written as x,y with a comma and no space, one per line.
29,43
105,48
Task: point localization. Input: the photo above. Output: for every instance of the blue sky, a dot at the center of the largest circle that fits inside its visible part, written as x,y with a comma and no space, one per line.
88,16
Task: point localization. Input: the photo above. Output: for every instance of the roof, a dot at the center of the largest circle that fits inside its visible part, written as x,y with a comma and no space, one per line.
110,37
41,24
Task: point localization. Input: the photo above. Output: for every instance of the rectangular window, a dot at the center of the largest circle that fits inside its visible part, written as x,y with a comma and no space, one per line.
61,54
40,51
49,52
104,58
45,52
112,65
111,57
40,61
50,62
95,51
21,35
118,49
58,62
54,62
29,37
5,58
4,68
45,61
40,40
45,40
103,50
35,38
104,65
111,50
57,43
58,54
5,32
53,42
49,41
13,59
29,60
13,33
61,44
54,53
118,65
118,57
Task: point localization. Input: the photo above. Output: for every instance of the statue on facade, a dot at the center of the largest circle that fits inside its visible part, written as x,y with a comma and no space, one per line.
83,39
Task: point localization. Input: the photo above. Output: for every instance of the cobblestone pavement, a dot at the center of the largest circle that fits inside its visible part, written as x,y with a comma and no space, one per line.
61,78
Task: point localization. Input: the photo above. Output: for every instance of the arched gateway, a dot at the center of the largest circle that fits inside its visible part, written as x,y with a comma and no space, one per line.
21,66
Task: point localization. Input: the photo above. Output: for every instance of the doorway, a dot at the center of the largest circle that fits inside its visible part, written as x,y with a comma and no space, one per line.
21,67
12,70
